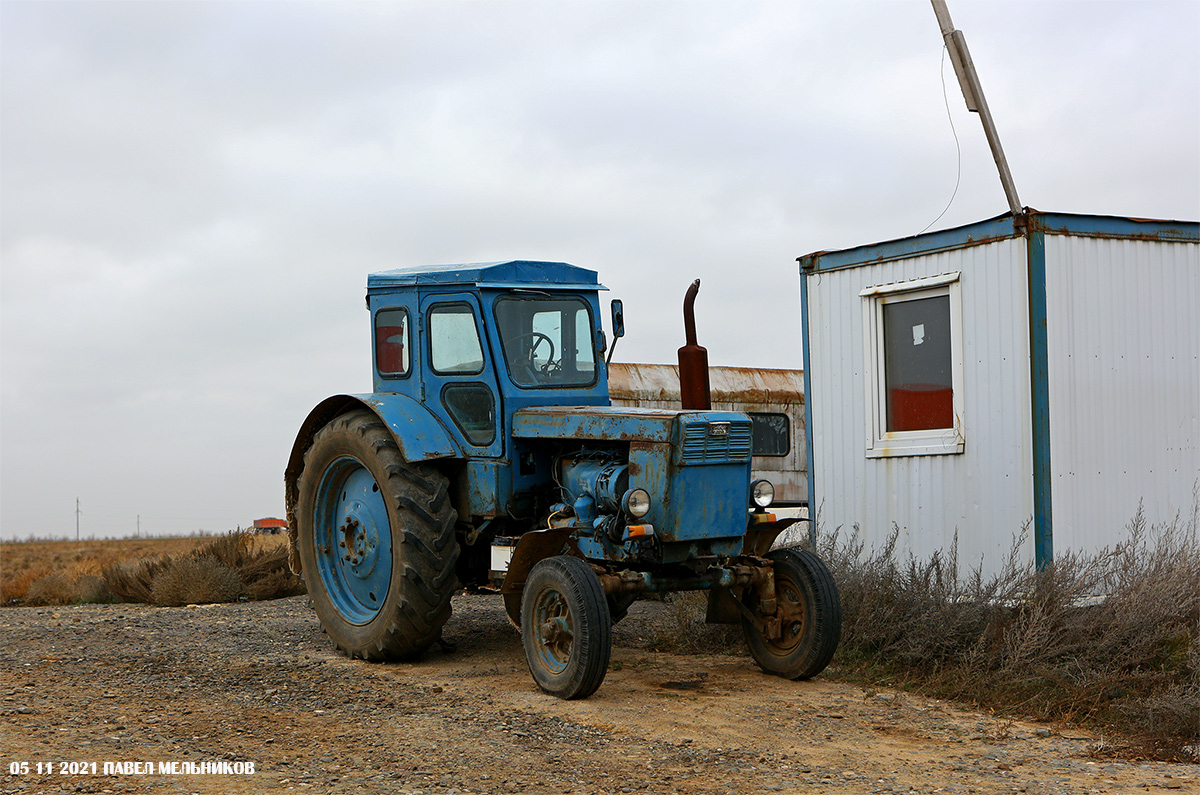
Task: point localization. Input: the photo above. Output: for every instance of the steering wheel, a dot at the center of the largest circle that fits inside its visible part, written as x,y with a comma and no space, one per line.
529,358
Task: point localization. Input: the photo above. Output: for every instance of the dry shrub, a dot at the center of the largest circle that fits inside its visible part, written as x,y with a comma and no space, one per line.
58,588
52,589
275,583
260,570
195,579
91,589
14,585
1111,639
263,568
131,581
686,631
129,566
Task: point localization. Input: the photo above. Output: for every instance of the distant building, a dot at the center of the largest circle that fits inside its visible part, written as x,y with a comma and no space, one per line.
270,526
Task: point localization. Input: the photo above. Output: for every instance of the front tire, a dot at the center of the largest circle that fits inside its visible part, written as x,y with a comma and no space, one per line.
376,541
565,627
810,616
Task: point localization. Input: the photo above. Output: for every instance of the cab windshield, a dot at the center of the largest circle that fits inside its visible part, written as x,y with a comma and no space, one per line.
548,342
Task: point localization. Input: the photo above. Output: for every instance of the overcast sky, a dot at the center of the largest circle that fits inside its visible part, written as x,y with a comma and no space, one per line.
192,193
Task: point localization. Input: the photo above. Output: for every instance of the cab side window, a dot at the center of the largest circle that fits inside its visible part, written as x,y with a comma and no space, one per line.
454,347
392,343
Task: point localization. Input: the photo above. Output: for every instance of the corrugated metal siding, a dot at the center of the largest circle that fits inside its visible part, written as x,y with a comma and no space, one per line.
733,389
1124,376
986,492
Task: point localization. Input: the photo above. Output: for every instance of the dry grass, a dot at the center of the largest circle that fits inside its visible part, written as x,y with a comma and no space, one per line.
24,562
1111,640
154,571
686,632
196,579
58,588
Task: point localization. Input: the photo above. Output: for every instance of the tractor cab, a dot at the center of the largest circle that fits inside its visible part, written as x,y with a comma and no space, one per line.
475,343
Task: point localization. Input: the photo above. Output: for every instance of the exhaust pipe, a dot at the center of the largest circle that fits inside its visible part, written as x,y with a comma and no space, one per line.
693,360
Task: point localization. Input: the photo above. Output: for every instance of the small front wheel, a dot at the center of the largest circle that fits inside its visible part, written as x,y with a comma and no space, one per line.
809,613
566,629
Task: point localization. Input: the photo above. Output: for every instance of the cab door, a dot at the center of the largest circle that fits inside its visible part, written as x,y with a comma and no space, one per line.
460,377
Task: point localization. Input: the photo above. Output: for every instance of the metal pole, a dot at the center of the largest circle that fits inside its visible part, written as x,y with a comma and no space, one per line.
77,512
968,80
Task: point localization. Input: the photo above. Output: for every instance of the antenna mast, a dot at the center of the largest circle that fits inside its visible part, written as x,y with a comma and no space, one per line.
968,80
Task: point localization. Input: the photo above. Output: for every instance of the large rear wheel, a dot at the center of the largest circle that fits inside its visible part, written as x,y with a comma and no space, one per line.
809,612
565,627
376,541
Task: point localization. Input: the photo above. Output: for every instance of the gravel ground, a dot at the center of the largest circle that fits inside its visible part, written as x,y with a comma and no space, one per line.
226,686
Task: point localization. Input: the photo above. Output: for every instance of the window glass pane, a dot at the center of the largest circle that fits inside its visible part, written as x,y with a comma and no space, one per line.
771,433
392,342
454,340
584,343
545,352
548,342
473,410
917,364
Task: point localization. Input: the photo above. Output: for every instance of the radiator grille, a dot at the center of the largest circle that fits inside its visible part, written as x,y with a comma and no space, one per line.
701,445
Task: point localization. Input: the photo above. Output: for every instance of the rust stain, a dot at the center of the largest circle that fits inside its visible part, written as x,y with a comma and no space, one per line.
660,382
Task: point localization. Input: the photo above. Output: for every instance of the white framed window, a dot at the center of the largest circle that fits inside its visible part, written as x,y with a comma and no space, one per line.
914,367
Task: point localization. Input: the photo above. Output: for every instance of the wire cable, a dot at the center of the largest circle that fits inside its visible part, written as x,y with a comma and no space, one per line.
957,145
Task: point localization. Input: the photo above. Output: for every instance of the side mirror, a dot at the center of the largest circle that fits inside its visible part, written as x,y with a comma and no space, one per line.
618,326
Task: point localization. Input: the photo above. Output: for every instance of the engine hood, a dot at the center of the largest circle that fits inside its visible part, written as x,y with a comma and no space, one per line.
607,423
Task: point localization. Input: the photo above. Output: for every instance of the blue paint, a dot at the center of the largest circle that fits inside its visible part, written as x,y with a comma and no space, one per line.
1114,226
489,485
477,436
489,488
808,424
999,228
1039,358
696,507
698,443
597,483
595,423
521,274
1002,227
420,434
417,431
353,540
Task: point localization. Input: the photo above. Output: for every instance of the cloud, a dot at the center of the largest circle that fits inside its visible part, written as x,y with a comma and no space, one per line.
192,194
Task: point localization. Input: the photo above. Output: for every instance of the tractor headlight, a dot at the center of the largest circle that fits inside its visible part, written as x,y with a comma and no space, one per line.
636,503
762,493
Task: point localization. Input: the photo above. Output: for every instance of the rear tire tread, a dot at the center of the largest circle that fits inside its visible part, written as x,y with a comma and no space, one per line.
427,547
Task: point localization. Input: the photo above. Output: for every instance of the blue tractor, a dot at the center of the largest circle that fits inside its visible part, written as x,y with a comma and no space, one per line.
488,457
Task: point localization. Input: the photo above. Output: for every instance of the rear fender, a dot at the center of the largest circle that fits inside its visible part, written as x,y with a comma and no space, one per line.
416,430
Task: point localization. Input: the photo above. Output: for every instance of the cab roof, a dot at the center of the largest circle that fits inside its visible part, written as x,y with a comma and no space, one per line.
517,273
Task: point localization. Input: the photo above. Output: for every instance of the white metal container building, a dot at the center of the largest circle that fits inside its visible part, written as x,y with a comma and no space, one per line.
1039,371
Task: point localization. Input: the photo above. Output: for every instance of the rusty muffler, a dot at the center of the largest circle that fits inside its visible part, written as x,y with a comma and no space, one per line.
693,360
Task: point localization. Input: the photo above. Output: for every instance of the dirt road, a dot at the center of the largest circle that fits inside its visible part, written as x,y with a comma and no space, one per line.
215,688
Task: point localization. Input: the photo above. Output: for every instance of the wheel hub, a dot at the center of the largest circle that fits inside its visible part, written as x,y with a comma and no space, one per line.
358,543
554,632
354,539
